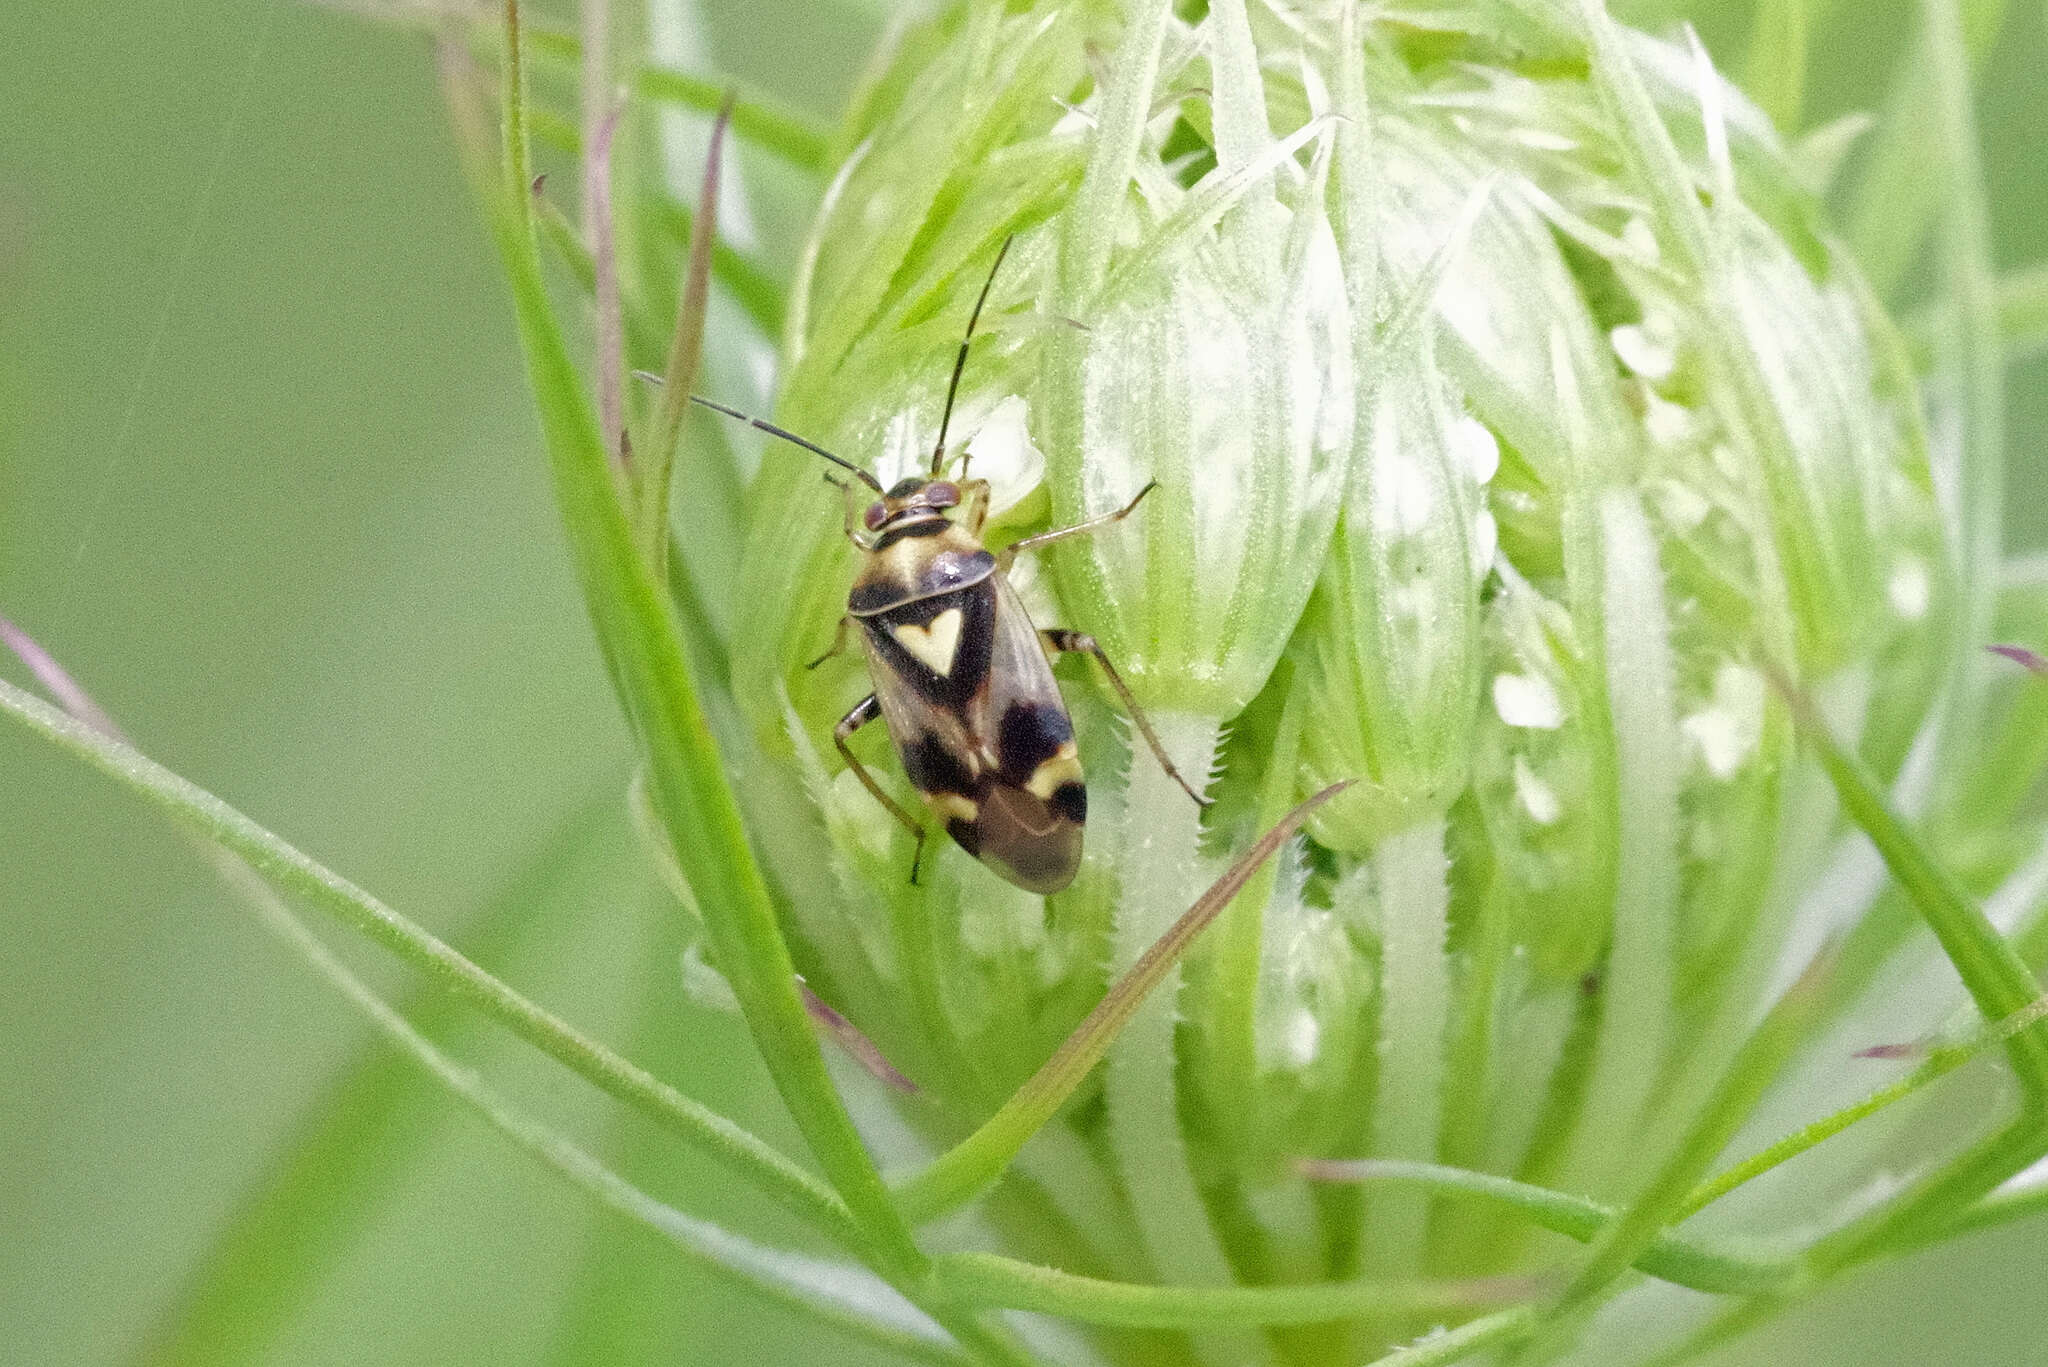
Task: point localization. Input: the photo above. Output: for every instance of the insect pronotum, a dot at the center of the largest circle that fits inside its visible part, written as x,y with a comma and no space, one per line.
961,677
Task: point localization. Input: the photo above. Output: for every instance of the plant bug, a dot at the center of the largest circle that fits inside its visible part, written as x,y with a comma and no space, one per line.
962,678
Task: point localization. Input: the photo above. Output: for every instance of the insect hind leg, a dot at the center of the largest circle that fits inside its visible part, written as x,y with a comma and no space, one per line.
1080,641
859,715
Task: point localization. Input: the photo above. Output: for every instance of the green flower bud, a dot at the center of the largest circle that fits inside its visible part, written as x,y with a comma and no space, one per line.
1477,480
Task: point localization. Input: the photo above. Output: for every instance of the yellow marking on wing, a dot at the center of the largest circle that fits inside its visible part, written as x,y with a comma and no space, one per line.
1052,774
936,643
952,806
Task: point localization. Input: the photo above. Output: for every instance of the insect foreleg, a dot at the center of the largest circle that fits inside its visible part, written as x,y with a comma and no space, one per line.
861,713
846,497
838,644
1032,543
1064,641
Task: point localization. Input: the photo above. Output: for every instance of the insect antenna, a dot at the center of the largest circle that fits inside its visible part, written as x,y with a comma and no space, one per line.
772,430
960,361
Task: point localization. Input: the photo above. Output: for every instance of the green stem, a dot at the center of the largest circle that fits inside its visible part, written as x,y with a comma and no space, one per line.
1408,872
838,1295
1160,856
992,1280
1674,1258
1625,1240
1940,1063
1454,1345
1998,980
1617,1131
213,820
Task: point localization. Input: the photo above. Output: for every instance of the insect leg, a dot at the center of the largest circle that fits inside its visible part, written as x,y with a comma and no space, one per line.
1032,543
1065,641
861,713
838,643
847,498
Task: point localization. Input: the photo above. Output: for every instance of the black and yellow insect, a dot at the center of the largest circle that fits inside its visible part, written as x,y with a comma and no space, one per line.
961,677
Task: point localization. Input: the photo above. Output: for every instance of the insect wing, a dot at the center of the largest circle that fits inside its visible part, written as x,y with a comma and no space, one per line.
970,702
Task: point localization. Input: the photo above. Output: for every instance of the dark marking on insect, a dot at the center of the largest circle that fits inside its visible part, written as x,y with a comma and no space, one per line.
962,679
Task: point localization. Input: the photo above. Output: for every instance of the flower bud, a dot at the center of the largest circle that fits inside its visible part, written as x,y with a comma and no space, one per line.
1466,483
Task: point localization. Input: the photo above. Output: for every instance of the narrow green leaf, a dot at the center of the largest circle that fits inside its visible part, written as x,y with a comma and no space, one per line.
1686,1262
1941,1061
1092,220
1931,1204
686,349
2000,1209
990,1279
643,648
298,875
1997,979
978,1160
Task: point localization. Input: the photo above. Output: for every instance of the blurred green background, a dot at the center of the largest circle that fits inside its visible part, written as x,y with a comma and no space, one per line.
270,487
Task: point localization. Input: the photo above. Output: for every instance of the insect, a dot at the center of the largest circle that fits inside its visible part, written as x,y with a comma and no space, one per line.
962,678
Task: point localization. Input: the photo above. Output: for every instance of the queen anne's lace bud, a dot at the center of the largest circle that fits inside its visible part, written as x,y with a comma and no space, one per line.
1470,486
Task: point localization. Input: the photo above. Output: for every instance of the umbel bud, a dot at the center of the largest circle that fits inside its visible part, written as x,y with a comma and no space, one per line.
1475,482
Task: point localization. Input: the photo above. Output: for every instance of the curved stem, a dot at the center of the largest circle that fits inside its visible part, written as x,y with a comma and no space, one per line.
1673,1258
296,873
848,1299
992,1280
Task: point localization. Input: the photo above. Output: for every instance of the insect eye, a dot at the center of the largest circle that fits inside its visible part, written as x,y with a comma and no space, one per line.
941,495
874,516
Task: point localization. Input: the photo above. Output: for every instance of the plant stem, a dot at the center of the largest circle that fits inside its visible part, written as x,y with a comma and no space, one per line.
1408,873
296,873
989,1279
1160,863
1636,983
845,1297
